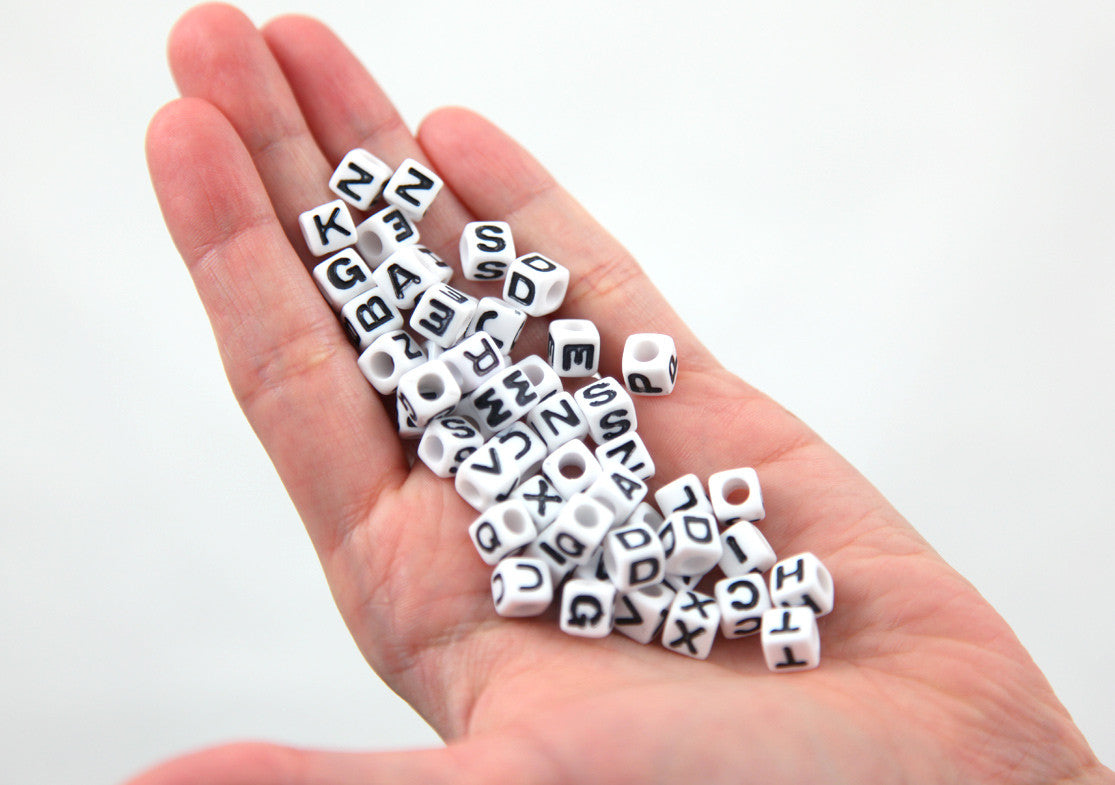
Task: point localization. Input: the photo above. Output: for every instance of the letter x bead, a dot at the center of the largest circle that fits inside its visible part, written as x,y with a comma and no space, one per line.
691,624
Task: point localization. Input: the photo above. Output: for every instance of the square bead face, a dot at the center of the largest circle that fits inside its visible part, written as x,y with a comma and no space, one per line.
571,468
368,316
634,557
641,613
535,284
327,228
790,639
619,490
442,314
521,587
403,276
629,451
802,580
446,441
745,550
735,495
387,358
501,320
485,477
486,249
573,347
359,178
683,494
383,233
474,360
608,408
588,607
412,188
503,399
742,602
650,364
558,419
692,543
342,276
542,500
691,624
501,530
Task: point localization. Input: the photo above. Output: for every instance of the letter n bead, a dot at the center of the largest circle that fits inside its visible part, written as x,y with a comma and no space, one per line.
359,178
412,188
521,587
790,638
650,364
691,624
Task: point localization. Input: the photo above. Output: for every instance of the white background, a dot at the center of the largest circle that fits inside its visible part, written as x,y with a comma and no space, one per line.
897,220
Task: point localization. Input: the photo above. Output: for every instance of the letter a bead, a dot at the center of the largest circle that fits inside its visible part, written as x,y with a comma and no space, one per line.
650,364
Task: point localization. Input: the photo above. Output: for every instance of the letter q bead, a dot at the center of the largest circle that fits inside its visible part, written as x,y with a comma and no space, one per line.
501,530
650,364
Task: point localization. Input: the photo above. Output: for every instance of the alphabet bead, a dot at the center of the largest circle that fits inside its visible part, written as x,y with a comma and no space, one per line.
691,541
691,624
790,639
342,276
442,314
403,276
442,271
558,419
541,498
650,364
536,284
408,425
521,447
501,530
683,494
802,580
545,380
427,391
474,360
501,320
573,537
619,490
383,233
629,451
735,495
447,441
742,601
634,557
359,178
486,249
521,587
485,477
327,228
645,513
588,607
608,408
503,399
745,550
412,188
571,468
573,348
387,358
368,316
641,613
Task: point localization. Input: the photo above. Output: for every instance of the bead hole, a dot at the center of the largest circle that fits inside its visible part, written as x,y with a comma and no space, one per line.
515,522
586,516
382,365
572,467
431,387
645,351
736,491
434,448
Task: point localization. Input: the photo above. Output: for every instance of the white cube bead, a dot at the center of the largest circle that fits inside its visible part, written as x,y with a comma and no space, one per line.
692,543
368,316
691,624
650,364
522,447
593,568
640,613
327,228
383,233
608,408
342,276
802,580
474,360
486,249
387,358
736,496
634,557
745,550
521,587
588,607
403,276
742,601
501,320
427,391
485,477
629,451
545,380
541,498
619,490
791,639
501,530
536,284
442,271
442,314
684,493
503,399
573,348
412,188
571,468
572,539
446,442
408,424
359,178
558,419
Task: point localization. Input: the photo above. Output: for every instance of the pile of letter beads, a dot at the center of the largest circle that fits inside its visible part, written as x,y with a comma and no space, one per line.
559,479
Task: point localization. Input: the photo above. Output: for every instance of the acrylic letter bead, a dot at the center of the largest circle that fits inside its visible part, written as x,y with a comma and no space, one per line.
368,316
521,587
573,349
802,580
650,364
574,536
343,276
503,399
742,601
522,447
790,638
486,248
536,284
542,499
692,543
403,276
558,419
640,613
629,451
442,271
359,178
634,557
474,360
608,408
447,441
501,320
684,493
501,529
327,228
735,495
588,607
542,377
427,391
412,188
383,233
745,550
485,477
571,468
646,513
387,358
442,314
691,624
619,490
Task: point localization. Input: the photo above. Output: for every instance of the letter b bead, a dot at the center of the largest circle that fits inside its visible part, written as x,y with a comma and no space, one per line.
650,364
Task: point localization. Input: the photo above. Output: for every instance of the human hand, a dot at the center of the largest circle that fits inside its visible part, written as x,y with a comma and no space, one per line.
920,680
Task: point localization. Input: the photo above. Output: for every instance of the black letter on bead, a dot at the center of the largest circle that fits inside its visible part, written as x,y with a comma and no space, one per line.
409,350
534,570
402,227
541,498
517,280
639,383
494,236
790,662
487,538
699,528
352,273
439,319
401,279
424,184
798,573
524,390
577,619
634,618
577,355
687,636
751,603
323,229
363,177
698,603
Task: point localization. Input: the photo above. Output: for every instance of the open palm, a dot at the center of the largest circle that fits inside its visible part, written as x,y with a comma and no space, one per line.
921,680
